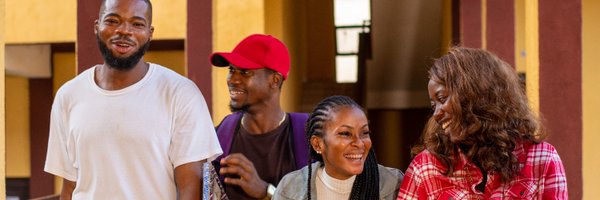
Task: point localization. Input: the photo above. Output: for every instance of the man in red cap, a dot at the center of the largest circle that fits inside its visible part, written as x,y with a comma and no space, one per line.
261,143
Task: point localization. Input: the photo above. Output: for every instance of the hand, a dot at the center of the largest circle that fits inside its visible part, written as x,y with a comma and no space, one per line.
238,165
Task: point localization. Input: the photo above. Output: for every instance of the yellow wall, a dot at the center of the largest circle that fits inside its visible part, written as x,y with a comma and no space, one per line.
591,98
64,69
38,21
519,35
280,21
233,20
2,105
532,59
174,60
49,21
17,127
169,19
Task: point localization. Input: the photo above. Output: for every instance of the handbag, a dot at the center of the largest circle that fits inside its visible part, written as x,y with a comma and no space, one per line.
212,189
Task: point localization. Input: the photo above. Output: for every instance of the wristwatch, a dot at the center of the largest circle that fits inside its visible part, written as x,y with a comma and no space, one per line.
270,192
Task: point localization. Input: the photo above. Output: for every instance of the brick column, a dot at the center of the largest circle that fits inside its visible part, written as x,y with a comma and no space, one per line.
40,92
198,45
560,84
470,23
88,54
500,29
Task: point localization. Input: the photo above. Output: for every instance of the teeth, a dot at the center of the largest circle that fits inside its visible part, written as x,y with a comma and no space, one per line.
236,92
445,125
354,156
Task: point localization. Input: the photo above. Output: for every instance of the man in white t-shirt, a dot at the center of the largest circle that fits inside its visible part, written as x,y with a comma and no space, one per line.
128,129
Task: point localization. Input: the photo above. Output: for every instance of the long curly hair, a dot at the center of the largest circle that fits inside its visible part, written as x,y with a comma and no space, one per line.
490,108
366,184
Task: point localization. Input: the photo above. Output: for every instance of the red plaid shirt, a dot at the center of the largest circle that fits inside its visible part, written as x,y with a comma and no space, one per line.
542,176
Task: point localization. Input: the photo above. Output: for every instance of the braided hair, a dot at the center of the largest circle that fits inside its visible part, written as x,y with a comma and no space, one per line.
366,184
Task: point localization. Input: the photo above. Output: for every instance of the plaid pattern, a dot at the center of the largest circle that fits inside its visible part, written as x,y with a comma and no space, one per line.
542,176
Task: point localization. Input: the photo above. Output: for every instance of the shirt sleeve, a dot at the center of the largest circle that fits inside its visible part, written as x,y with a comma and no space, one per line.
411,187
194,137
60,156
555,184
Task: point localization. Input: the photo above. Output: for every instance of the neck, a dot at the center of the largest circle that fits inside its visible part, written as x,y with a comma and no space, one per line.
109,78
263,121
341,186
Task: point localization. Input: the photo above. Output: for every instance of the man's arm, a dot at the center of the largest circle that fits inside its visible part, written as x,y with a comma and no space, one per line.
67,189
188,178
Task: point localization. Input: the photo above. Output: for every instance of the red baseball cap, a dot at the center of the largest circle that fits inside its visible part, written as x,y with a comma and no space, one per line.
255,52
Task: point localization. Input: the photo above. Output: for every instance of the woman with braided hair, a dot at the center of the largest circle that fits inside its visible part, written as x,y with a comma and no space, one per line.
346,167
482,141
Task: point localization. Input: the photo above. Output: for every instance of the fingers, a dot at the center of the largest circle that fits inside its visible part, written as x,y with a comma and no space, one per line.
248,180
238,165
240,161
235,173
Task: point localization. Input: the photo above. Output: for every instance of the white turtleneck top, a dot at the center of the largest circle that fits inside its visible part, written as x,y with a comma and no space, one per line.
331,188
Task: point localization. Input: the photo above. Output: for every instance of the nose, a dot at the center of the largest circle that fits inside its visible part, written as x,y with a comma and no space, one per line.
358,141
124,28
438,113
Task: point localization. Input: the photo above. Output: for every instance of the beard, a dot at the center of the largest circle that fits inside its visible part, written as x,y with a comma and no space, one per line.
243,108
122,64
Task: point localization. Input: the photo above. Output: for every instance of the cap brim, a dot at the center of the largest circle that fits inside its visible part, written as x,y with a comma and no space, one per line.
222,59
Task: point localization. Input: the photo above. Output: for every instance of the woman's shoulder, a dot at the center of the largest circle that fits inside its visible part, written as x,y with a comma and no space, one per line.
295,176
424,154
426,158
542,151
390,172
389,181
542,146
293,184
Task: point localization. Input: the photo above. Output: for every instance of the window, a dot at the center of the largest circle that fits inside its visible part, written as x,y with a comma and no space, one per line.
351,18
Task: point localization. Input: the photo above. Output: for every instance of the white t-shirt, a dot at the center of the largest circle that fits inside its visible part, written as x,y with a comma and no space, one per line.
125,144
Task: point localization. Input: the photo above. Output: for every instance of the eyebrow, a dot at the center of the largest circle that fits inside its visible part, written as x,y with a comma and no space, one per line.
437,93
119,16
350,127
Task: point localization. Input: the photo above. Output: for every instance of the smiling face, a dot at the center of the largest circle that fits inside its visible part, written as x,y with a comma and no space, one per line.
442,107
249,87
345,144
123,32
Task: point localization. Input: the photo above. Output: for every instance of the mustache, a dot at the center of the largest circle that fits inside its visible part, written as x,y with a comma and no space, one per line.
122,37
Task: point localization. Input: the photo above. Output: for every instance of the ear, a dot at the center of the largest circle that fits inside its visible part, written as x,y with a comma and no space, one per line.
151,32
276,78
96,26
317,143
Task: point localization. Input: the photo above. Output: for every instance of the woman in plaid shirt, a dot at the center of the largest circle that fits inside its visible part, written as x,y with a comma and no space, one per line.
482,141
